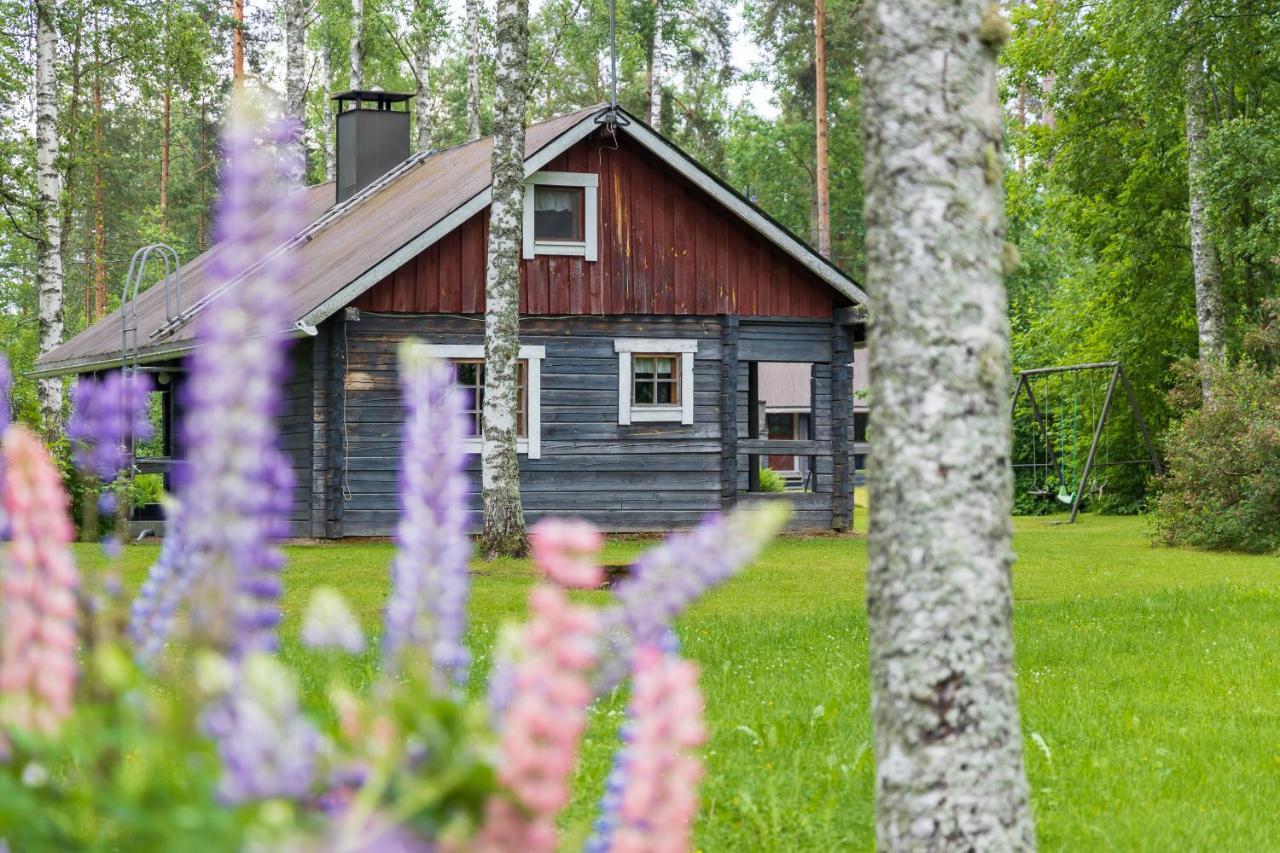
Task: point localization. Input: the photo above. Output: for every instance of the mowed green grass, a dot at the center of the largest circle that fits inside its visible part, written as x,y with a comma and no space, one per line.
1149,684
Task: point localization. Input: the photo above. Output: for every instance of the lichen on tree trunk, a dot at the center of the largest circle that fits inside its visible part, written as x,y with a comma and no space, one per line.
503,533
1204,254
473,66
948,743
49,280
295,67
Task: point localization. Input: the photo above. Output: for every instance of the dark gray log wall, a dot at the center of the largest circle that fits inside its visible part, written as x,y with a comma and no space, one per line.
343,427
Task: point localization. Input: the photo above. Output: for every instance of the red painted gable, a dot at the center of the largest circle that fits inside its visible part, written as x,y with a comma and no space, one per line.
665,247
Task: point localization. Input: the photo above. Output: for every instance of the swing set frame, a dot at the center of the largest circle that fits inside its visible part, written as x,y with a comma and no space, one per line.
1118,377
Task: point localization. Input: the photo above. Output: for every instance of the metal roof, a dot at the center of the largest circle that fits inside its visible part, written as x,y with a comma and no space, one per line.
348,247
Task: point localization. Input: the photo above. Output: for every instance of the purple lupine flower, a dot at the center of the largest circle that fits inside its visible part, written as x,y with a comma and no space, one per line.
106,414
236,484
667,579
152,614
429,576
268,749
330,624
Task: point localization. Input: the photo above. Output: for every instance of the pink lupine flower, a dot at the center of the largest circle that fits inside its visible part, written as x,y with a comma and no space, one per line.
566,549
38,591
544,723
652,795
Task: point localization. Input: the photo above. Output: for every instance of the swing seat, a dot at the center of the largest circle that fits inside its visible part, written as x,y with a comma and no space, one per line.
1066,497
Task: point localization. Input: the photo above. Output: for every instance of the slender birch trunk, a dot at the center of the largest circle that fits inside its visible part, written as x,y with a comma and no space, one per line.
295,60
202,230
473,68
1204,254
49,279
422,44
327,142
356,52
504,530
948,744
820,123
653,76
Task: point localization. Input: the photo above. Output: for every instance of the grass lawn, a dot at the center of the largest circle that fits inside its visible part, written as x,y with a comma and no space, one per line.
1149,677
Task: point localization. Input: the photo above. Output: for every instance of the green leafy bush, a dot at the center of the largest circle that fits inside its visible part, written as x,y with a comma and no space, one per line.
1221,489
771,481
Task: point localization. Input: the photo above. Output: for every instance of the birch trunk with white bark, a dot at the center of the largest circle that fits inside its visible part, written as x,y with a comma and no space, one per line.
327,138
423,100
948,744
473,68
504,530
1204,254
295,62
653,80
49,280
356,51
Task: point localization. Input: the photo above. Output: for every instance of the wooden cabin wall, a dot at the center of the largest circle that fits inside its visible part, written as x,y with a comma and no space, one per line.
297,416
796,342
665,249
652,476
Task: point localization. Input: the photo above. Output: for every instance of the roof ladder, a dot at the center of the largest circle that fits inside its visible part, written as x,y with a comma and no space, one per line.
153,254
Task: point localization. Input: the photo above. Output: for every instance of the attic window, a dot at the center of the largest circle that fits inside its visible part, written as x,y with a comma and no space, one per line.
560,214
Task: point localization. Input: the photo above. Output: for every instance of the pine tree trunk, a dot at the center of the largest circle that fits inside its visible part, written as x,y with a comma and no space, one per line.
295,62
49,280
820,122
504,530
99,194
166,106
949,767
473,69
1204,254
357,44
237,42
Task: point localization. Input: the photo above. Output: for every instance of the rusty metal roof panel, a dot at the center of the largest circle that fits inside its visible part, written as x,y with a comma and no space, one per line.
338,246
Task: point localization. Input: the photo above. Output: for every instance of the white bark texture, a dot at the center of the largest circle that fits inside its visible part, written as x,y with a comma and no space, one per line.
473,68
49,209
654,83
822,170
295,63
423,102
1204,254
328,139
356,52
948,744
504,530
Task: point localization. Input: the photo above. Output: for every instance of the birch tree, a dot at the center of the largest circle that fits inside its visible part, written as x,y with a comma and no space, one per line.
948,745
1204,254
356,50
48,209
504,532
473,66
295,61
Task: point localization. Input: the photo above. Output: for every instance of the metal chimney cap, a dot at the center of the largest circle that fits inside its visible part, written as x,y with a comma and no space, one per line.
374,95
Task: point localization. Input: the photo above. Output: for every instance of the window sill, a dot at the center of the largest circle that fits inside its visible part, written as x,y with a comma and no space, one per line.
657,414
578,249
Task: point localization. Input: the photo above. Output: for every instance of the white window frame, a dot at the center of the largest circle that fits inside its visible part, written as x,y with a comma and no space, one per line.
590,184
628,413
530,445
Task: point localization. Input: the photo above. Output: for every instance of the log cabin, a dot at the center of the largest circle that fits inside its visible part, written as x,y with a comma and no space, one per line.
651,294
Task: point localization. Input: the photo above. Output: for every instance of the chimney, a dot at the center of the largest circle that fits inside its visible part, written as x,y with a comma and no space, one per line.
373,137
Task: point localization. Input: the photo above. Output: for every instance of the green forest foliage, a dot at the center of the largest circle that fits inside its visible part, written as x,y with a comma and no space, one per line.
1096,167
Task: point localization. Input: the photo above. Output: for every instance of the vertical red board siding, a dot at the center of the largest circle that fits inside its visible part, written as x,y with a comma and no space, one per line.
664,248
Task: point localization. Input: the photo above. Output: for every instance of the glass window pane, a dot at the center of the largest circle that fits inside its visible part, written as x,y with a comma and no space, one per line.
643,367
666,393
666,366
468,373
644,393
557,213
